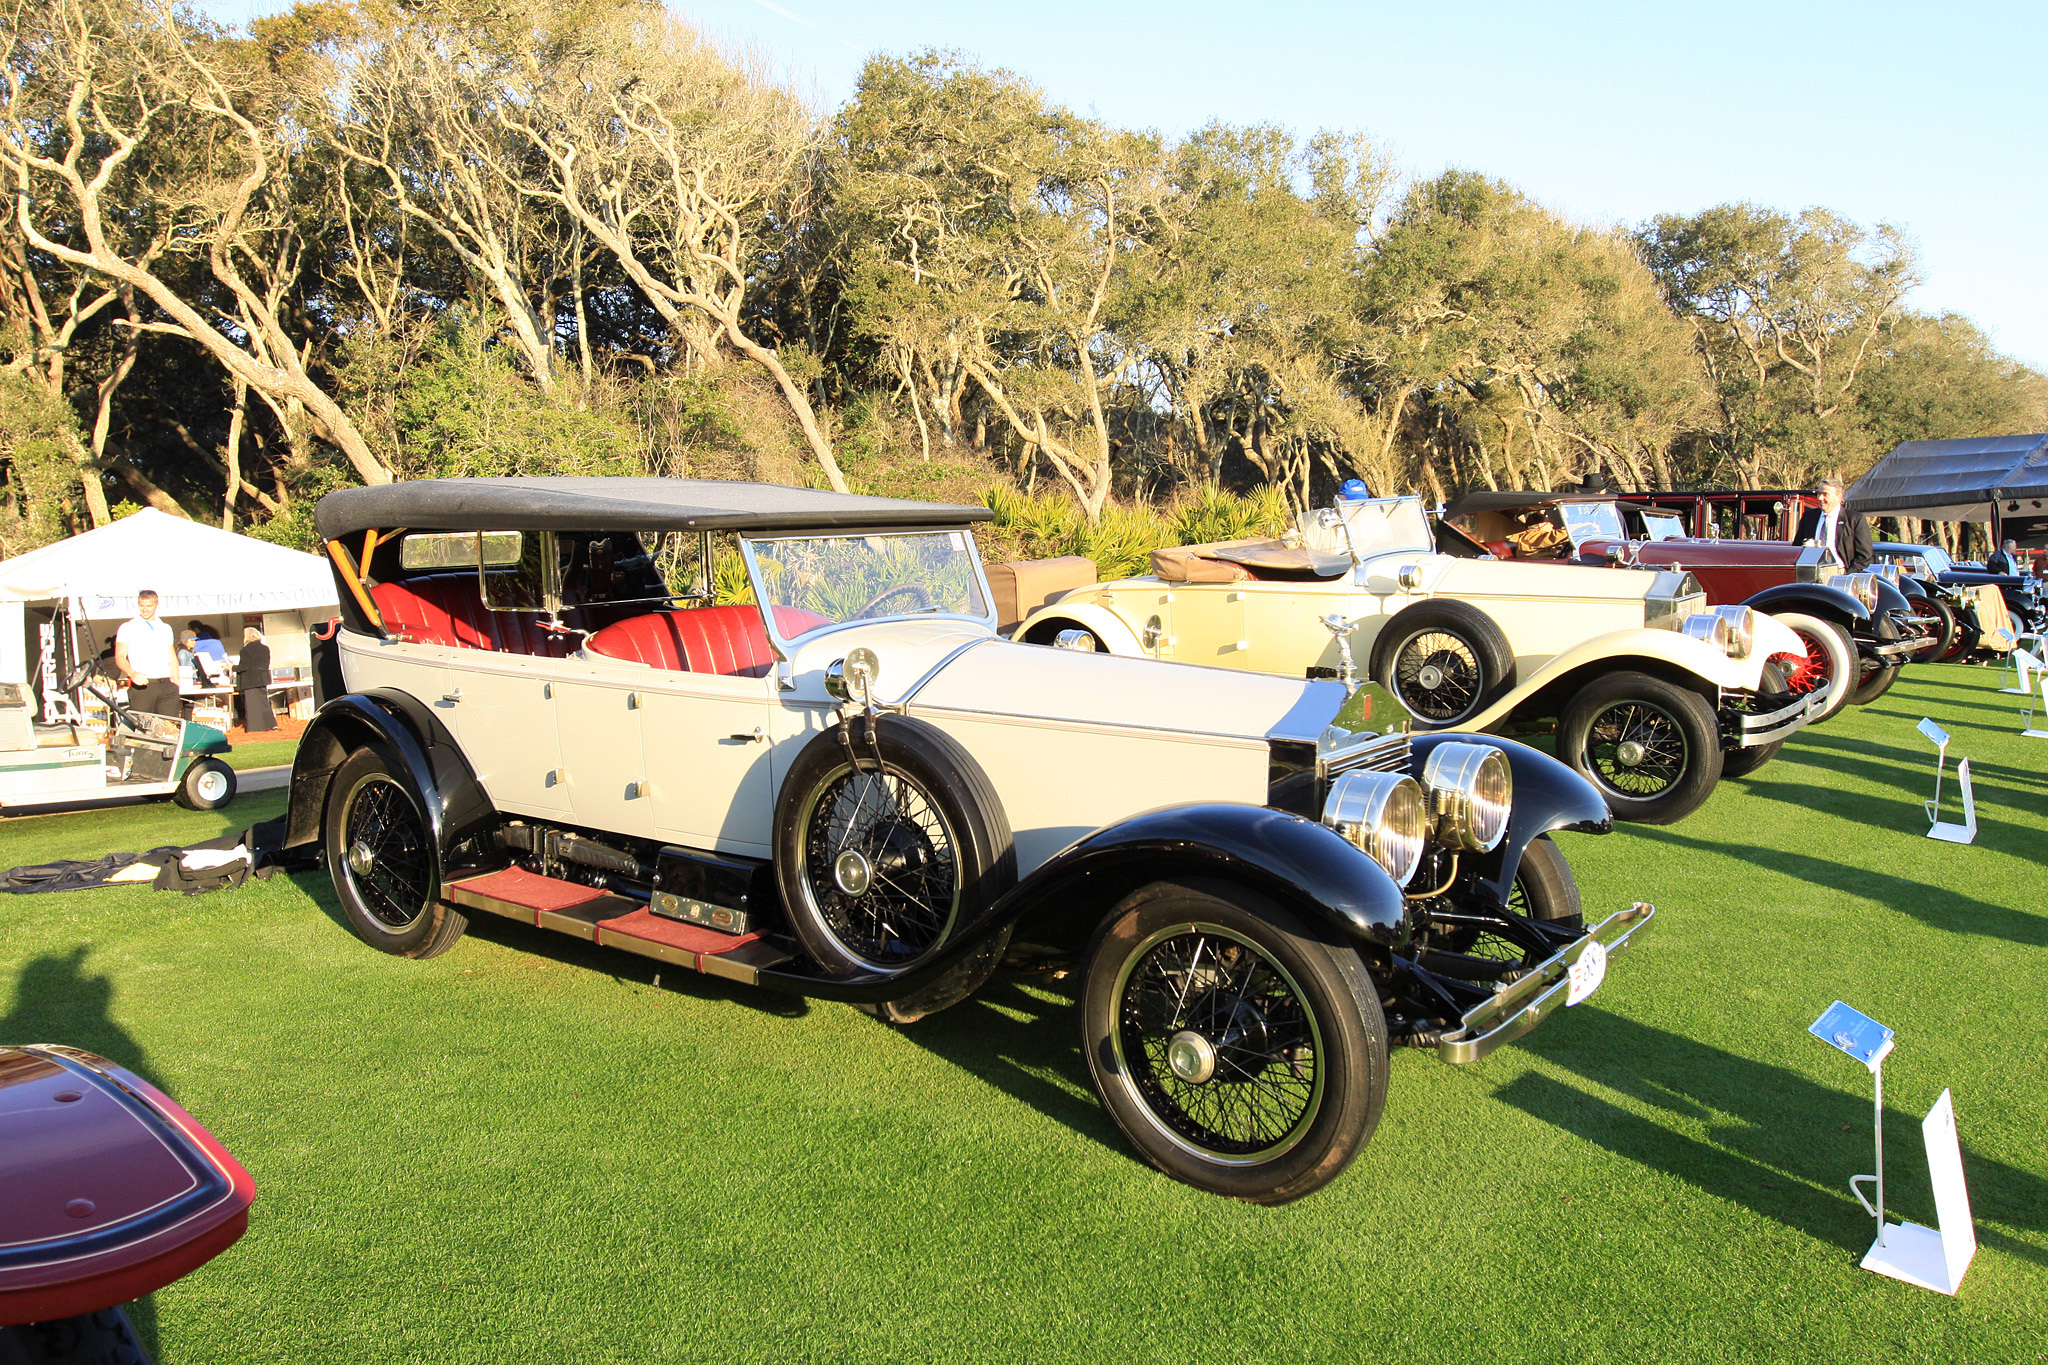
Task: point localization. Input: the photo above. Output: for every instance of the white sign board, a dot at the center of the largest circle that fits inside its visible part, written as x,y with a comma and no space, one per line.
1933,1258
1966,832
1934,733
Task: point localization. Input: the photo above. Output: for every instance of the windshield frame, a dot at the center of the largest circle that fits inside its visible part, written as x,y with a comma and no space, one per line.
783,645
1341,534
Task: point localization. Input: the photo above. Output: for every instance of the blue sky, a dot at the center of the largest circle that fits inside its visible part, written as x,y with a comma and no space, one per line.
1926,116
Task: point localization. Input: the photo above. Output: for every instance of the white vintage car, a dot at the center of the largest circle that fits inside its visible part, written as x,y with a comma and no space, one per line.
1648,688
862,792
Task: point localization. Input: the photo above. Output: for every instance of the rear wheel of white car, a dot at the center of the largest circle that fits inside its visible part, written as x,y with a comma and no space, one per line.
887,841
1444,660
1238,1050
1827,669
382,858
1653,748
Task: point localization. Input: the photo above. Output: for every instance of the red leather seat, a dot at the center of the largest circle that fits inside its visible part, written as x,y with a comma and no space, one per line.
446,609
728,640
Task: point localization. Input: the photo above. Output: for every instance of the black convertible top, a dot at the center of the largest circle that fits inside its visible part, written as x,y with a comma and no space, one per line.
589,504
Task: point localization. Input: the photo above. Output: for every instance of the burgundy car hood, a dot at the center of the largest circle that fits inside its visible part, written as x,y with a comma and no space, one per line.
108,1190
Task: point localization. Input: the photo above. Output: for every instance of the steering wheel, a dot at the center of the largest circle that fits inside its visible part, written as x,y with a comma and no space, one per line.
924,598
75,679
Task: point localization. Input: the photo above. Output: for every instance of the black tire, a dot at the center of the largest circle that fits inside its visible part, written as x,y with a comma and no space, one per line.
1828,666
1968,635
1939,620
1876,680
929,815
1743,762
1544,887
383,861
1652,748
1445,660
1259,1077
208,784
105,1337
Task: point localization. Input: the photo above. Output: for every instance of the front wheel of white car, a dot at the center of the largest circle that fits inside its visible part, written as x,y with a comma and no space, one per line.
888,840
1653,748
1445,660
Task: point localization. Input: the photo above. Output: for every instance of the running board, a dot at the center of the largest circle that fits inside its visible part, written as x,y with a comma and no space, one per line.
615,922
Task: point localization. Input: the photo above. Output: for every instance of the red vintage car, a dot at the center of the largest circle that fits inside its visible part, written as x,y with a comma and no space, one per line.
1859,628
108,1191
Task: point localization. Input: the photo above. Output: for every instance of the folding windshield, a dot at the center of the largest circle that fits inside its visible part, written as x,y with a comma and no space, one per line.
1367,526
1584,521
1663,525
829,580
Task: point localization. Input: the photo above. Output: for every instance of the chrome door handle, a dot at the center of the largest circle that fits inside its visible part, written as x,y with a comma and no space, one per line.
753,736
456,695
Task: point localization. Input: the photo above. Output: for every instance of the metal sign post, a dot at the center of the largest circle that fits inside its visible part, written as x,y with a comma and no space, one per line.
1869,1042
1945,830
2027,728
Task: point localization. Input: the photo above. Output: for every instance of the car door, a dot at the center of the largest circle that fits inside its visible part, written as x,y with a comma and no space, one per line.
708,742
501,708
598,708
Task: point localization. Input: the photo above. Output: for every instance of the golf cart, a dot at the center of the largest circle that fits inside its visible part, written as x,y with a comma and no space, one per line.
141,755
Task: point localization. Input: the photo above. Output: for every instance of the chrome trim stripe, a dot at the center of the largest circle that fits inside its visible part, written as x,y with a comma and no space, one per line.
1087,727
1513,1012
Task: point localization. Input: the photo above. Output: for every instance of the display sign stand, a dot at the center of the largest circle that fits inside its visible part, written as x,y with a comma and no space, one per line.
2028,730
1946,830
2020,665
1933,1258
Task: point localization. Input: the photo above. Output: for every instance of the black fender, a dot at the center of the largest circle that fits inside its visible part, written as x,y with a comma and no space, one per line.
1549,795
1912,587
1303,865
461,816
1815,599
1890,599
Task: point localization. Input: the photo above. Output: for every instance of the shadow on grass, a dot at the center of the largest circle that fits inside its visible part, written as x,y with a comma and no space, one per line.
1935,906
1776,1143
1016,1040
1855,758
621,965
56,1000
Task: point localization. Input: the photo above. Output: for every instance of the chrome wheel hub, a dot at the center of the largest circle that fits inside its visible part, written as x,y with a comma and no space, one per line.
1191,1057
852,873
360,858
1629,753
1430,677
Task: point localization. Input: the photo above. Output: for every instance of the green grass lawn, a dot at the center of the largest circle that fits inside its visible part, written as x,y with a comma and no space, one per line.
528,1150
268,753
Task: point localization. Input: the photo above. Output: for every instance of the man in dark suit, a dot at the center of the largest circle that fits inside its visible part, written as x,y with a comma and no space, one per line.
1834,526
2006,559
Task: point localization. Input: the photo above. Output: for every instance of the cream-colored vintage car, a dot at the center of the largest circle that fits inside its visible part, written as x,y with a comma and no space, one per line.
852,787
1654,697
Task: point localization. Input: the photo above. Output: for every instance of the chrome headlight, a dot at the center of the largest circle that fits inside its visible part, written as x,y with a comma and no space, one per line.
1861,586
1382,813
1708,626
1888,571
1471,789
1741,629
1082,640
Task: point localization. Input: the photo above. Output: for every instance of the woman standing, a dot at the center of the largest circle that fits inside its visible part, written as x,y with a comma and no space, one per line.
252,680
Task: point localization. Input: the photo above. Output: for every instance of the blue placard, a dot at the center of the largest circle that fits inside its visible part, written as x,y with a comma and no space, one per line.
1854,1032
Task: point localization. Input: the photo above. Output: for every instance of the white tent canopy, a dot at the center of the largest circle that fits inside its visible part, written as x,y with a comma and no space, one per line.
196,571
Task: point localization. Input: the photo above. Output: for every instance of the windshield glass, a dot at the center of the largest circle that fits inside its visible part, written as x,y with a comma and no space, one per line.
1936,557
1663,525
1584,521
834,579
1374,526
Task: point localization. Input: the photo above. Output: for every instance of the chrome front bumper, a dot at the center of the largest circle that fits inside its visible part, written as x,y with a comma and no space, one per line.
1521,1005
1746,729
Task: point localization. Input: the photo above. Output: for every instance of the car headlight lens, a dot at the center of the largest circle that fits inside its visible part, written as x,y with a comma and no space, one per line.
1383,814
1708,627
1471,789
1741,629
1861,586
1889,572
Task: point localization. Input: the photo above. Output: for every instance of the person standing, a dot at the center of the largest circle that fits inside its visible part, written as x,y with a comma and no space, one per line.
1835,527
252,681
146,658
2005,559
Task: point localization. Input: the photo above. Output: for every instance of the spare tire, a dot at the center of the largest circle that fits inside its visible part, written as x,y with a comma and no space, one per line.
1445,660
887,841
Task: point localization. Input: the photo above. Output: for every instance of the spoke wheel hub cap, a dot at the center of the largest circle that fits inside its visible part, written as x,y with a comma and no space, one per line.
1629,753
1430,677
852,873
360,858
1191,1057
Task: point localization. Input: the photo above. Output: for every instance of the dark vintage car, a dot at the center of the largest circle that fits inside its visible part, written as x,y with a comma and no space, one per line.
565,704
1858,628
1951,583
108,1191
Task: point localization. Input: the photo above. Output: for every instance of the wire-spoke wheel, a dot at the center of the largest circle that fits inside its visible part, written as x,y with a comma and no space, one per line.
1236,1052
1444,660
1826,668
887,848
1651,747
382,857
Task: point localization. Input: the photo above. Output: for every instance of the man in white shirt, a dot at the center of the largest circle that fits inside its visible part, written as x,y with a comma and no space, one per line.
1833,526
146,658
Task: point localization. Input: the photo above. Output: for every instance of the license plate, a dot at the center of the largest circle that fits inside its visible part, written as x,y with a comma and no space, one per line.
1587,973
